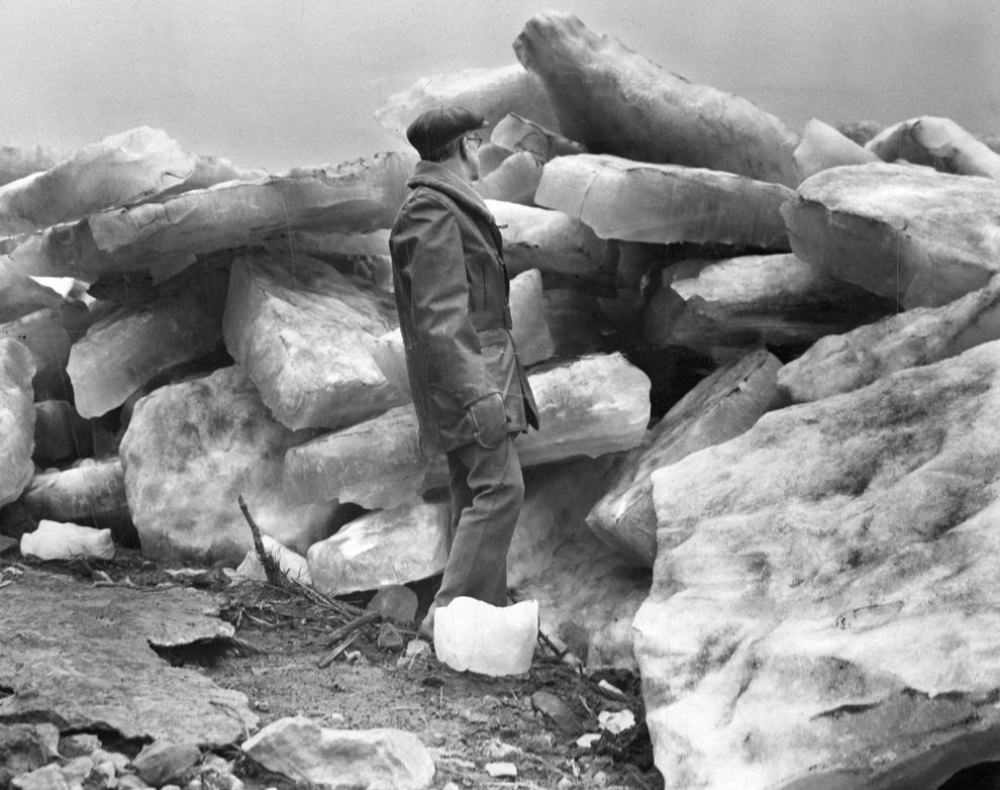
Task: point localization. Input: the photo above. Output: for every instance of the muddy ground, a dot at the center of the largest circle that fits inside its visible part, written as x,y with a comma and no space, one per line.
289,658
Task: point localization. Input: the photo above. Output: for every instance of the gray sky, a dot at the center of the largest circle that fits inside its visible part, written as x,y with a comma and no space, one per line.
280,83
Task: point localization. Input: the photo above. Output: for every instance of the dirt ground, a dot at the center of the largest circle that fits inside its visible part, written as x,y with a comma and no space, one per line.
289,659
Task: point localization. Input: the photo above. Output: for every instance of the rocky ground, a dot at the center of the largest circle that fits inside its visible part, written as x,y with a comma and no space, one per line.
282,658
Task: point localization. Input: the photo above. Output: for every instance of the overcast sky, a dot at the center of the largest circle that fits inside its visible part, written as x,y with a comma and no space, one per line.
280,83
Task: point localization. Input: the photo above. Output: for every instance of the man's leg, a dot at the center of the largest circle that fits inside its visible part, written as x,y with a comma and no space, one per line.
477,562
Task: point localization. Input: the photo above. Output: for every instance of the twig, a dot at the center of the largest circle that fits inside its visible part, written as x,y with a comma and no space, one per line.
271,569
332,656
547,642
317,597
547,765
352,626
248,646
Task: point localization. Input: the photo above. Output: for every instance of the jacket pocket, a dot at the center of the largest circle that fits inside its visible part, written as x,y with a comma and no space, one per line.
489,420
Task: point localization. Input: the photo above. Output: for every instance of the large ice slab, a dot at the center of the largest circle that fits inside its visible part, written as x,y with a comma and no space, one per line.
17,162
128,348
377,464
21,295
401,544
190,450
17,419
776,300
515,133
823,611
822,147
515,179
615,101
491,92
305,335
355,197
842,363
565,250
89,492
722,405
123,168
938,142
532,338
908,233
587,595
593,406
640,201
50,334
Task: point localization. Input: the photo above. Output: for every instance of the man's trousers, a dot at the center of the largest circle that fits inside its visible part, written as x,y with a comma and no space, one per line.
487,490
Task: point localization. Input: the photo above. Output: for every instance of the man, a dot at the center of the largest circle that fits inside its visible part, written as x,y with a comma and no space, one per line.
469,390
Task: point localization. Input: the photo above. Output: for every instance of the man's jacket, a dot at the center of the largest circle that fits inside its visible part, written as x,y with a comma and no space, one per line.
451,292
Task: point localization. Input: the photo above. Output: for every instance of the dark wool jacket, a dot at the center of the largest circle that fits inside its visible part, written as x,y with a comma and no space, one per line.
451,293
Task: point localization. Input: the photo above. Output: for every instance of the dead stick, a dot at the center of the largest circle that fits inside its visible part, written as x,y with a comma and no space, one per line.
342,607
354,625
271,570
332,656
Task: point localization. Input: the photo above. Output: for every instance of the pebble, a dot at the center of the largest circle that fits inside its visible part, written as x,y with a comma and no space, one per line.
616,723
587,740
79,745
389,637
498,750
501,770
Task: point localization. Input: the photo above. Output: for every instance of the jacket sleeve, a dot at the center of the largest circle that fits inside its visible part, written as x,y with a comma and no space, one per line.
431,246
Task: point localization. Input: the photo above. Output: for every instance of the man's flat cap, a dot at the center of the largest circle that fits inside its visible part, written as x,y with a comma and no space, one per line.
438,127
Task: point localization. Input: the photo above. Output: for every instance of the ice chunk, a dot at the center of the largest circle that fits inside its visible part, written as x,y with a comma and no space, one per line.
471,635
639,201
54,540
615,101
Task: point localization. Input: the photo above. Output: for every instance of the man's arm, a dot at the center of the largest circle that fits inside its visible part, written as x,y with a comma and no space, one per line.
431,246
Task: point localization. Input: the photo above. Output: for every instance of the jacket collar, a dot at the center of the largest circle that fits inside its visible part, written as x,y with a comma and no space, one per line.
436,176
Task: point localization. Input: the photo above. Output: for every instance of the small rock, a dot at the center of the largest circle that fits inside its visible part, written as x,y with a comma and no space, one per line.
416,650
498,750
610,690
299,748
389,637
161,761
501,770
48,777
588,739
131,782
78,745
556,711
103,775
77,770
216,773
26,747
616,723
117,759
